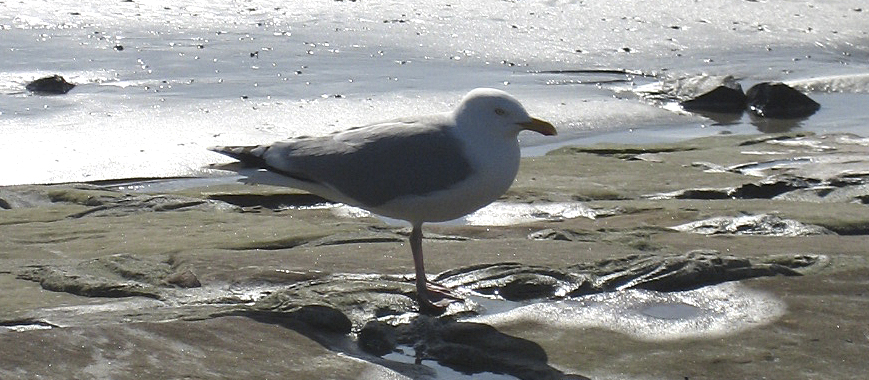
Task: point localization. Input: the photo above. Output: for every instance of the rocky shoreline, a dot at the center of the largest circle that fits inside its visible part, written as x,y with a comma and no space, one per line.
257,282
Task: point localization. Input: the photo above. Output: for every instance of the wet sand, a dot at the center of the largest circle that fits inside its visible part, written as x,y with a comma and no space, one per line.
229,281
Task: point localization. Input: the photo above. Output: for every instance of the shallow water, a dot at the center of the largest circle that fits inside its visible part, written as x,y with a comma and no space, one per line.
706,312
157,83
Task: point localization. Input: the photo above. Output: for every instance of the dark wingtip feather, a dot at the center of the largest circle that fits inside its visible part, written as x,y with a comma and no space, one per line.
246,154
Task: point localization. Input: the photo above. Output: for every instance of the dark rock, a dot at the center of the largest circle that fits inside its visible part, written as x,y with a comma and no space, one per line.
54,84
764,139
770,187
377,338
625,152
183,279
705,194
270,201
711,94
308,319
323,318
779,101
475,348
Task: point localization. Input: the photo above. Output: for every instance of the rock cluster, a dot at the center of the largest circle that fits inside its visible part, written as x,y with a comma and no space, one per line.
719,96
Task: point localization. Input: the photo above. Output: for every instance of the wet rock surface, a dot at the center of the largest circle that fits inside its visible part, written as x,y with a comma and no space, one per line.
256,282
765,224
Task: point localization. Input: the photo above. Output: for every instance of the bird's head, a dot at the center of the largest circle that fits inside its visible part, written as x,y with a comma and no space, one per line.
491,108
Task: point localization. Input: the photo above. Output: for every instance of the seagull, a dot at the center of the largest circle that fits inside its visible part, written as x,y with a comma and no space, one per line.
425,168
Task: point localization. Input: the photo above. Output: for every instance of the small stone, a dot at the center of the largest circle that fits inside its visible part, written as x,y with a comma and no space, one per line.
183,279
779,101
54,84
377,338
709,94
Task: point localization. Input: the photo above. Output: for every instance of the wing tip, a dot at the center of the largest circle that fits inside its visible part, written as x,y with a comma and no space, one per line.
248,155
230,149
236,166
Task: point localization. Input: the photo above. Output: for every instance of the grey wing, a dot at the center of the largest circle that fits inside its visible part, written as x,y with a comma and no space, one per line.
377,163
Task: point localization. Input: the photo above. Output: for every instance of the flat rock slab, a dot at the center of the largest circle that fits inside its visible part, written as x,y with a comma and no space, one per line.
259,282
221,347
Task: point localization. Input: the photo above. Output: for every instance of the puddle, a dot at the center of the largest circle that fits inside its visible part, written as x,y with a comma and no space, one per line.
671,311
494,306
503,214
500,213
757,169
707,312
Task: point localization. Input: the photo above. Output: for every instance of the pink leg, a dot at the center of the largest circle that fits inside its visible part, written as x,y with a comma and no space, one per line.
433,298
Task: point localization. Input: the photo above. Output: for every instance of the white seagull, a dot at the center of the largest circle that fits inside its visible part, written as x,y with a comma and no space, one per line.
429,168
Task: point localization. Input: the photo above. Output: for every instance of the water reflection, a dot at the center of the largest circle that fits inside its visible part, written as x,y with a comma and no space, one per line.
721,118
772,125
763,124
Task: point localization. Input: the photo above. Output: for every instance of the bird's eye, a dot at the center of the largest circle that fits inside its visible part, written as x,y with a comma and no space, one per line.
500,112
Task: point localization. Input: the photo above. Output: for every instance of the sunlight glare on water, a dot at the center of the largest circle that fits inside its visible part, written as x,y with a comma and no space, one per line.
161,82
710,311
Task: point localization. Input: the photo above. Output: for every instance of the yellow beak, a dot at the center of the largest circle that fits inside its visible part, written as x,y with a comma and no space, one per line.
540,126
